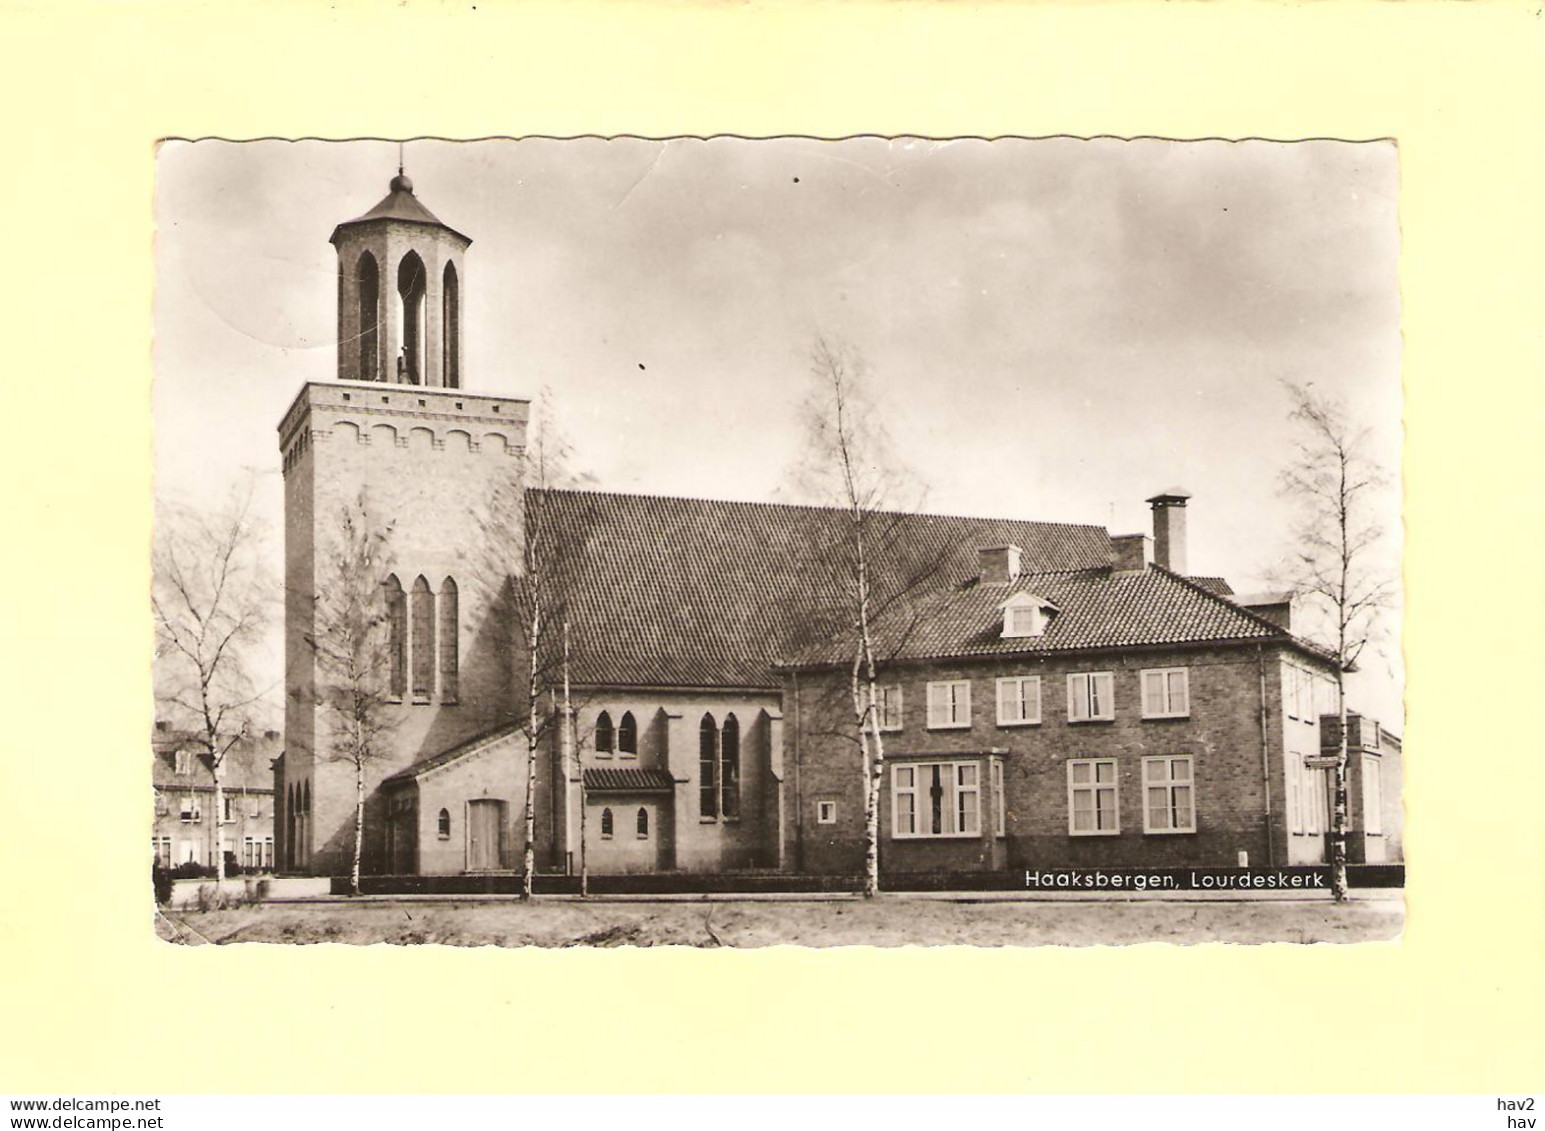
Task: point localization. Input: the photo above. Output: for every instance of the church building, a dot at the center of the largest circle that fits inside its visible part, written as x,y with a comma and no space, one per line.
1052,695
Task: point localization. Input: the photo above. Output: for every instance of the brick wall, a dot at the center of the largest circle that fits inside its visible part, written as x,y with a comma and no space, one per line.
1222,733
428,460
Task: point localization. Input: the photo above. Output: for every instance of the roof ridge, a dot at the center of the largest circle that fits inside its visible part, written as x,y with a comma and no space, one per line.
1276,629
602,493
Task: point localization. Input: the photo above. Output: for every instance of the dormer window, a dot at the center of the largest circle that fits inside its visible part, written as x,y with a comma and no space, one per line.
1025,614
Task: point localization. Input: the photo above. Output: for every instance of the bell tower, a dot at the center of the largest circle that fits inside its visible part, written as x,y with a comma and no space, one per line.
437,469
399,293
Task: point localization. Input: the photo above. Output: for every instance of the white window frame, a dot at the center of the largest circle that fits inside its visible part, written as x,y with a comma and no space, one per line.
1018,684
184,759
900,790
1094,785
1295,776
826,812
999,808
890,707
1167,704
956,695
1373,800
1084,694
228,809
1159,773
188,811
952,807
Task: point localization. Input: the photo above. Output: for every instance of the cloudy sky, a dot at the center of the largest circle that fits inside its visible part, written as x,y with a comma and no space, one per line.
1057,329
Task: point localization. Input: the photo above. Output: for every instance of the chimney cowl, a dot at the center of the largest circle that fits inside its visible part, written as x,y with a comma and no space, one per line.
999,564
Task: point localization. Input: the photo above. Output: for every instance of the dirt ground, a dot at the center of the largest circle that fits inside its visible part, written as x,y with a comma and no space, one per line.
893,921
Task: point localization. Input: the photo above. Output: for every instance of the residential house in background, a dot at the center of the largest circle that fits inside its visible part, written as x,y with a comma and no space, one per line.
187,826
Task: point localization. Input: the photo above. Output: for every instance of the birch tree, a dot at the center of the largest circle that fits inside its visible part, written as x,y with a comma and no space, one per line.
1337,563
351,640
851,464
549,555
212,606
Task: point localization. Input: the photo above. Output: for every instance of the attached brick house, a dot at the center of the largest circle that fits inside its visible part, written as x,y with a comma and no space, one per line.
1055,696
187,826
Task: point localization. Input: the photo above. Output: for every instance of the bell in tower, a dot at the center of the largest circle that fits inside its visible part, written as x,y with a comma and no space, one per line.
399,293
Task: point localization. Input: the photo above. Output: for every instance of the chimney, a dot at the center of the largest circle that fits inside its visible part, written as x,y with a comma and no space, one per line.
1169,529
1130,553
999,564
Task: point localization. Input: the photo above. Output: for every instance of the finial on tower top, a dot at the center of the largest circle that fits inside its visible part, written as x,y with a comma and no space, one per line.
400,183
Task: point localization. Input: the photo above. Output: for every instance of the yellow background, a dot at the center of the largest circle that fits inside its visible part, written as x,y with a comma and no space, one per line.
91,1002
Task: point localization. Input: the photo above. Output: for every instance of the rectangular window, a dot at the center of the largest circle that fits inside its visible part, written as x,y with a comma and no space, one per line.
1091,697
189,812
949,704
1166,693
936,799
228,809
890,707
968,798
1092,797
1169,797
1295,781
826,812
1373,798
999,809
904,801
184,762
268,853
1019,700
1023,620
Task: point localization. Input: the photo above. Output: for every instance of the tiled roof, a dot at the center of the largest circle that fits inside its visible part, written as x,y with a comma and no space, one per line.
399,204
472,745
247,766
707,593
1097,608
1216,585
628,779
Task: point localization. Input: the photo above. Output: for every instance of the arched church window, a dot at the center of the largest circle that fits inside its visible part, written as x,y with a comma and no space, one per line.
367,276
450,328
627,735
449,641
412,283
643,823
422,640
708,768
397,637
729,768
444,824
603,734
606,824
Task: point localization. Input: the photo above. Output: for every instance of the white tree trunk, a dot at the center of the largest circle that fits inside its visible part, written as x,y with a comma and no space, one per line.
219,813
1338,821
359,824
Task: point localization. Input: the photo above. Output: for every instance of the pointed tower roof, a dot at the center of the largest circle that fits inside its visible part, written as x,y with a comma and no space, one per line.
400,204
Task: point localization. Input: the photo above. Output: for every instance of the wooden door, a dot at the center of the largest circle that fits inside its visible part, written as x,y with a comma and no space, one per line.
485,823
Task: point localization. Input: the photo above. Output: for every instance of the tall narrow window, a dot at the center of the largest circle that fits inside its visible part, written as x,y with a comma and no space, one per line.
423,641
411,284
397,637
708,769
443,824
449,641
368,277
603,735
627,736
450,329
643,823
606,824
729,768
904,800
1168,806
